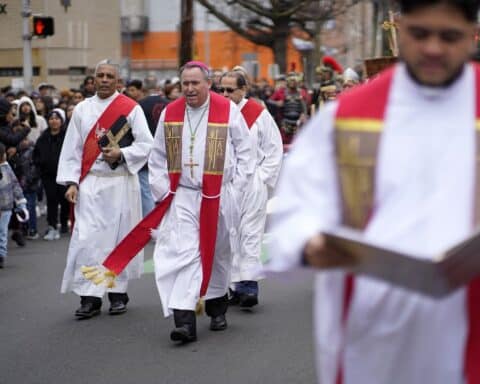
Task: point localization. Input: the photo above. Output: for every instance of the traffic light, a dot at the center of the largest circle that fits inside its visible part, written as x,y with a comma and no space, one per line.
43,26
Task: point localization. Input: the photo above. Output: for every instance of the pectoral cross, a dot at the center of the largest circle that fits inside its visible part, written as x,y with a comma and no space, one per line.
191,164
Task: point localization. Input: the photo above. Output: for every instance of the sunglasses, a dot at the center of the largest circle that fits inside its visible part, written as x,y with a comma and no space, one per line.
229,90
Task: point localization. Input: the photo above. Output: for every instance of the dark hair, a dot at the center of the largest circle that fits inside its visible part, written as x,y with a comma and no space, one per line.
3,149
87,79
469,8
135,83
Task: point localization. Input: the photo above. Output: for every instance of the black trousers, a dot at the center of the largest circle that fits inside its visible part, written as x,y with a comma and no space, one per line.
55,197
217,306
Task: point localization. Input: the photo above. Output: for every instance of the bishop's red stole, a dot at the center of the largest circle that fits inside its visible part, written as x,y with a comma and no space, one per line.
217,132
121,105
251,111
358,126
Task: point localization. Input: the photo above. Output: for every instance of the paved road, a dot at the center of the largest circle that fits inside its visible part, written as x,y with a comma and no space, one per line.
42,343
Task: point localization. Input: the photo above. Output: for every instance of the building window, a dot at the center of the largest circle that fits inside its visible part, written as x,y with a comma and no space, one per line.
17,71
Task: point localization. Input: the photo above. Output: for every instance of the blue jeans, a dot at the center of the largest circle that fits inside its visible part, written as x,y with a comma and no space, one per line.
147,198
246,287
31,206
4,220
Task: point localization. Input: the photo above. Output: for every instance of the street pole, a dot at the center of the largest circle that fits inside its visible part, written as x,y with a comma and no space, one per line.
27,46
207,39
186,32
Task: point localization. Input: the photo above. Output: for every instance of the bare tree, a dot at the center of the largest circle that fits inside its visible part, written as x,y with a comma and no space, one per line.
269,22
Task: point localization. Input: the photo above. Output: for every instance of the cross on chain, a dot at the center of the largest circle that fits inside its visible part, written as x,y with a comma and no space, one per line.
191,164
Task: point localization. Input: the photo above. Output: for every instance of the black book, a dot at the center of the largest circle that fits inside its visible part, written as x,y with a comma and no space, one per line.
118,136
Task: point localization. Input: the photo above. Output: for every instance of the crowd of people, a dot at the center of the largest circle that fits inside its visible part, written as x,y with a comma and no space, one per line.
33,128
190,165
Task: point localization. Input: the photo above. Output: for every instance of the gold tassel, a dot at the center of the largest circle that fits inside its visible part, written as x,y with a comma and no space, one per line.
200,307
97,277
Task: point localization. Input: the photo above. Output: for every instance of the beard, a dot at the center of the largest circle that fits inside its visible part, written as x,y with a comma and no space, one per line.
444,84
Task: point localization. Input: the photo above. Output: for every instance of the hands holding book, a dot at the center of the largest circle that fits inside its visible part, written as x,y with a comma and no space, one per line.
318,254
111,155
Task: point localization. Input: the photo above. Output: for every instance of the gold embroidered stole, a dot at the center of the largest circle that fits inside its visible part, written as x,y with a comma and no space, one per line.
356,143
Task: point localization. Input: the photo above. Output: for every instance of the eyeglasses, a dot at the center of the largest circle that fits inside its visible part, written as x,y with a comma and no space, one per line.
229,90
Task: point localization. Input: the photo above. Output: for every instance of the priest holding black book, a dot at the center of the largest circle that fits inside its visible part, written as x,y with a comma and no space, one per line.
106,144
398,159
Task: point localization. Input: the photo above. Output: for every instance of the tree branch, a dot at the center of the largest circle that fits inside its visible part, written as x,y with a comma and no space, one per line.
294,9
255,8
263,39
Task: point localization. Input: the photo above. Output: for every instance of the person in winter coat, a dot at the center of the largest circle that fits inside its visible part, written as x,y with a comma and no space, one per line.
45,156
27,114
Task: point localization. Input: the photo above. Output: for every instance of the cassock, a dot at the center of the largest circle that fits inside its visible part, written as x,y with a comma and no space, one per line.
178,270
108,203
268,147
423,204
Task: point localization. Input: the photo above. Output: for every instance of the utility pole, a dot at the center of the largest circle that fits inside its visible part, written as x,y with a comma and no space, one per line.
186,32
27,46
207,38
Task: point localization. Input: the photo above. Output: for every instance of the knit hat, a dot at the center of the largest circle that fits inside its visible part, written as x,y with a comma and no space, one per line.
59,112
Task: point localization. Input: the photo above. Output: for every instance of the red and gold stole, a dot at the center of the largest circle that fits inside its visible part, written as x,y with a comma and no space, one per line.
251,111
121,105
358,126
215,146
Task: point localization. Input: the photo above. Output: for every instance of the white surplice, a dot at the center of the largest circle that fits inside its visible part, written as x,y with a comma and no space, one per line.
268,147
178,269
423,204
109,203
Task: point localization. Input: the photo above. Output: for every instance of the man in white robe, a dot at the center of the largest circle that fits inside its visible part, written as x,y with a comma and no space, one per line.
424,183
107,201
178,269
268,148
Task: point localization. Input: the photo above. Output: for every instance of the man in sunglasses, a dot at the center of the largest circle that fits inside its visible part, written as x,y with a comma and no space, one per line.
397,159
267,142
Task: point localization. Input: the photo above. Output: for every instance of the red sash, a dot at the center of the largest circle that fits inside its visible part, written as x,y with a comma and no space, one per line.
121,105
251,111
136,240
363,110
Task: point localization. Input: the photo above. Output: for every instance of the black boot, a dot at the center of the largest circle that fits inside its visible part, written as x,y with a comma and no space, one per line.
185,329
217,308
118,303
89,307
247,293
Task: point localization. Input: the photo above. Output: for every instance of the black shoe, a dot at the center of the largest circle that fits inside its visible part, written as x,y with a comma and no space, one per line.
18,238
248,300
218,323
87,310
118,303
117,308
2,262
182,334
233,298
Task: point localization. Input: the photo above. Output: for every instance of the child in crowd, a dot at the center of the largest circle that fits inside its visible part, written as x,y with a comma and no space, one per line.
11,196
